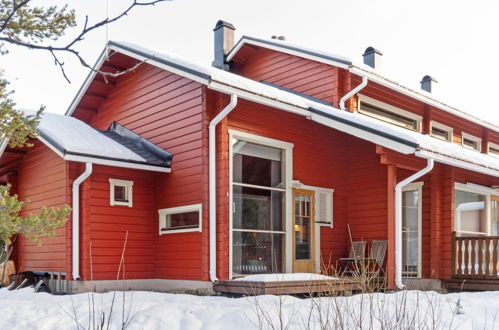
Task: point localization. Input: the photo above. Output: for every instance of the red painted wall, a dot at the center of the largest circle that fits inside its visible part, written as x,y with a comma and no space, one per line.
167,110
42,180
302,75
318,156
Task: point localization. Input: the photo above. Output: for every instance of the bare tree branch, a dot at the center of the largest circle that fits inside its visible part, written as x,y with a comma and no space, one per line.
69,47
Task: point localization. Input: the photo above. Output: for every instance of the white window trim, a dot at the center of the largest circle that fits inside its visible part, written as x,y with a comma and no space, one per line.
419,187
476,139
493,145
390,108
441,126
287,149
297,184
129,192
481,190
181,209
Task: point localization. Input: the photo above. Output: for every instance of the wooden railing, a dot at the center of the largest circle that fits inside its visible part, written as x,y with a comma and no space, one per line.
475,257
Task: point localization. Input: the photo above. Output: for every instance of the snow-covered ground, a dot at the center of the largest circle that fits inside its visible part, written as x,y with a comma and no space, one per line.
24,309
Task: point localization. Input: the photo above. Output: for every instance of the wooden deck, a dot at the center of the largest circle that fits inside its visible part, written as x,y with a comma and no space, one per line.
471,284
250,288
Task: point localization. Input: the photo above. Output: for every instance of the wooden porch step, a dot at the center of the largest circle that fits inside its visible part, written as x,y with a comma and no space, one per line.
250,288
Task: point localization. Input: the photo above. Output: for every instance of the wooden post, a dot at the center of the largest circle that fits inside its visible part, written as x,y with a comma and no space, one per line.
390,264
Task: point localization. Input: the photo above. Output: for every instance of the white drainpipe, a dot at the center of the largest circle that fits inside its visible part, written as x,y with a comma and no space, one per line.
76,219
213,184
398,219
353,92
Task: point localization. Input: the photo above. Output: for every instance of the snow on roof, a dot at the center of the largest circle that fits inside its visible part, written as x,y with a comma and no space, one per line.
70,135
307,107
427,97
364,69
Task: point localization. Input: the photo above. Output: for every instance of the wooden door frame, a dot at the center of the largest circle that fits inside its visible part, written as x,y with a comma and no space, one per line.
312,259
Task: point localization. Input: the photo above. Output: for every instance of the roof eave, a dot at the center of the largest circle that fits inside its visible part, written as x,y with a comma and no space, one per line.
457,162
95,159
342,63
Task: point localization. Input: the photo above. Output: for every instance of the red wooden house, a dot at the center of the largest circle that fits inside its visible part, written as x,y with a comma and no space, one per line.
265,163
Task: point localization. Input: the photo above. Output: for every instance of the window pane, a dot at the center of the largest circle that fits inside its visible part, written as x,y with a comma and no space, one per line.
257,209
256,253
120,194
303,238
257,165
410,209
470,212
182,220
389,116
410,253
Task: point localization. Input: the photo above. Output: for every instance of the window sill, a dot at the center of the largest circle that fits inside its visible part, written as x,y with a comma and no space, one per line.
180,230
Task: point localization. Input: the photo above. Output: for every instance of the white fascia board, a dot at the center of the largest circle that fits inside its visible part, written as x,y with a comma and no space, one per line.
284,50
244,94
370,137
115,163
457,163
158,64
86,84
51,147
422,98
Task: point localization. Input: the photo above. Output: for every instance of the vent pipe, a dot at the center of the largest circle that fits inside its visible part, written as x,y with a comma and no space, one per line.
372,57
224,41
427,83
281,38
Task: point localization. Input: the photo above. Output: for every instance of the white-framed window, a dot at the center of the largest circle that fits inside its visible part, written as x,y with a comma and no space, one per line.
323,203
260,173
389,113
412,214
121,192
475,209
180,219
441,131
493,149
471,142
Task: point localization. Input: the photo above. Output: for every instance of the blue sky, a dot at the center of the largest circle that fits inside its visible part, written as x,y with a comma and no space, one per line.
454,41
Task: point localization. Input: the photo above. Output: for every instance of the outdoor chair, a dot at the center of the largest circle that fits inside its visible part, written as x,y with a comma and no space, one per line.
357,253
374,263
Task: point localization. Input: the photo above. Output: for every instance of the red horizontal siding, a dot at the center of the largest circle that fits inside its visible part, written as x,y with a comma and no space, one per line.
304,76
42,180
166,109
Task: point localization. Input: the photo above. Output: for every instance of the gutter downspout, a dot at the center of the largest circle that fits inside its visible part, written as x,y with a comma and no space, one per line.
76,219
398,219
353,92
213,184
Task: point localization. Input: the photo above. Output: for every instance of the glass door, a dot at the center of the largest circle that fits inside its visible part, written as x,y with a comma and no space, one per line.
258,197
303,228
411,231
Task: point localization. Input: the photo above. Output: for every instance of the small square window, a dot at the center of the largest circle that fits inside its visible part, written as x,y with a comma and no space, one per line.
120,192
180,219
